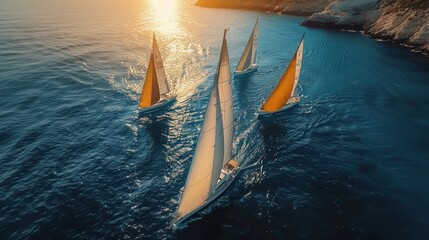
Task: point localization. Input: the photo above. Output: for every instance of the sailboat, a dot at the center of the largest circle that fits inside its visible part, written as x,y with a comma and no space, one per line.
212,169
155,89
247,62
284,95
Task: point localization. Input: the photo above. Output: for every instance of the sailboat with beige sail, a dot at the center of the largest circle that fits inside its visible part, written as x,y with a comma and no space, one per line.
284,95
156,92
247,62
212,169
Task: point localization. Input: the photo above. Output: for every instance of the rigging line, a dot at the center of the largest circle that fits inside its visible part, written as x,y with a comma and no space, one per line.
226,81
230,123
226,100
197,182
213,127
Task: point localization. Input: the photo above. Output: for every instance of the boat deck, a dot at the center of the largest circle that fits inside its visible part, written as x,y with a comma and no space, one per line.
294,99
228,168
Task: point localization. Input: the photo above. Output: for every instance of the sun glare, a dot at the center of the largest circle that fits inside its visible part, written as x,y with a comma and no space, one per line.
164,10
165,16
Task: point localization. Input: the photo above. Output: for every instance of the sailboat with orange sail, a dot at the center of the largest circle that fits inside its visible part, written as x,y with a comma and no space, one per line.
155,92
284,94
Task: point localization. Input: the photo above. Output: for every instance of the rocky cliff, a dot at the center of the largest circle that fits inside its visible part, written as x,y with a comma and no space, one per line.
291,7
402,21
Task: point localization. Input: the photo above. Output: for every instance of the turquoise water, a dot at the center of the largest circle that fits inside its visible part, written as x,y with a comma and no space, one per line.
349,162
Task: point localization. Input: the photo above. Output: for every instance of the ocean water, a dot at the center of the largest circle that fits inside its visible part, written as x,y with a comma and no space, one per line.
350,161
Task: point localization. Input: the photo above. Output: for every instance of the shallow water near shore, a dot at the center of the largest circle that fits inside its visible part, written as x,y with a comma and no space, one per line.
350,161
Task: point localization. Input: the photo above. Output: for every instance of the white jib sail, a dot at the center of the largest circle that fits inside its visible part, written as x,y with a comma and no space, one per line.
159,68
225,98
299,53
207,161
249,54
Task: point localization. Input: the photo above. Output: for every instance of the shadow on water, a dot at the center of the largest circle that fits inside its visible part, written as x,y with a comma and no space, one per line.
151,165
157,127
272,131
242,84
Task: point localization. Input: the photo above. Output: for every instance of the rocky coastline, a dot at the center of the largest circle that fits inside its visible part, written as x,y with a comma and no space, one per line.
404,22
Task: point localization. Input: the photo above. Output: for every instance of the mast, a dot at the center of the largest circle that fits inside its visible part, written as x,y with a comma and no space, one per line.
249,54
150,92
225,96
287,84
159,67
208,159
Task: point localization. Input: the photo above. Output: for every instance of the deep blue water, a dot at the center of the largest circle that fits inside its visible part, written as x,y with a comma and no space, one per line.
78,162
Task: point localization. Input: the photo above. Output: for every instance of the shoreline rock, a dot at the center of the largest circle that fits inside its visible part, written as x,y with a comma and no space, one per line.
285,7
404,22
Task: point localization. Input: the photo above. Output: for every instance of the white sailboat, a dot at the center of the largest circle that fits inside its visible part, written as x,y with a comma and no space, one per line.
247,62
155,92
212,169
284,94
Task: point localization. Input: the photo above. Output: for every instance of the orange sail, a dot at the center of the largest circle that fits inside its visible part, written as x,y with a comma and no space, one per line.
287,84
150,93
283,90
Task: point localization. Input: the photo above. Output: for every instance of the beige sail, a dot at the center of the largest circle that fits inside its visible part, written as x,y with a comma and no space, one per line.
159,68
246,58
287,84
249,54
150,93
209,155
207,161
225,96
298,65
255,40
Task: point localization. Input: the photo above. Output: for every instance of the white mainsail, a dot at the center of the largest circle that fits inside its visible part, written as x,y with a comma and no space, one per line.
249,55
207,162
298,64
208,159
225,95
214,143
159,68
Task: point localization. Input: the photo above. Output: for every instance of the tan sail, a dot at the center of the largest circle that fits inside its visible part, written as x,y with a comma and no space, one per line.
255,40
209,155
150,93
298,65
249,55
287,84
246,58
225,97
207,162
159,68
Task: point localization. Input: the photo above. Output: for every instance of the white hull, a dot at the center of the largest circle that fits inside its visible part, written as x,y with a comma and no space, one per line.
220,188
250,69
159,105
286,107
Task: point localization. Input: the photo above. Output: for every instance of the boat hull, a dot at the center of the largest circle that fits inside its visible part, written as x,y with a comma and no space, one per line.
158,106
222,186
250,69
286,107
